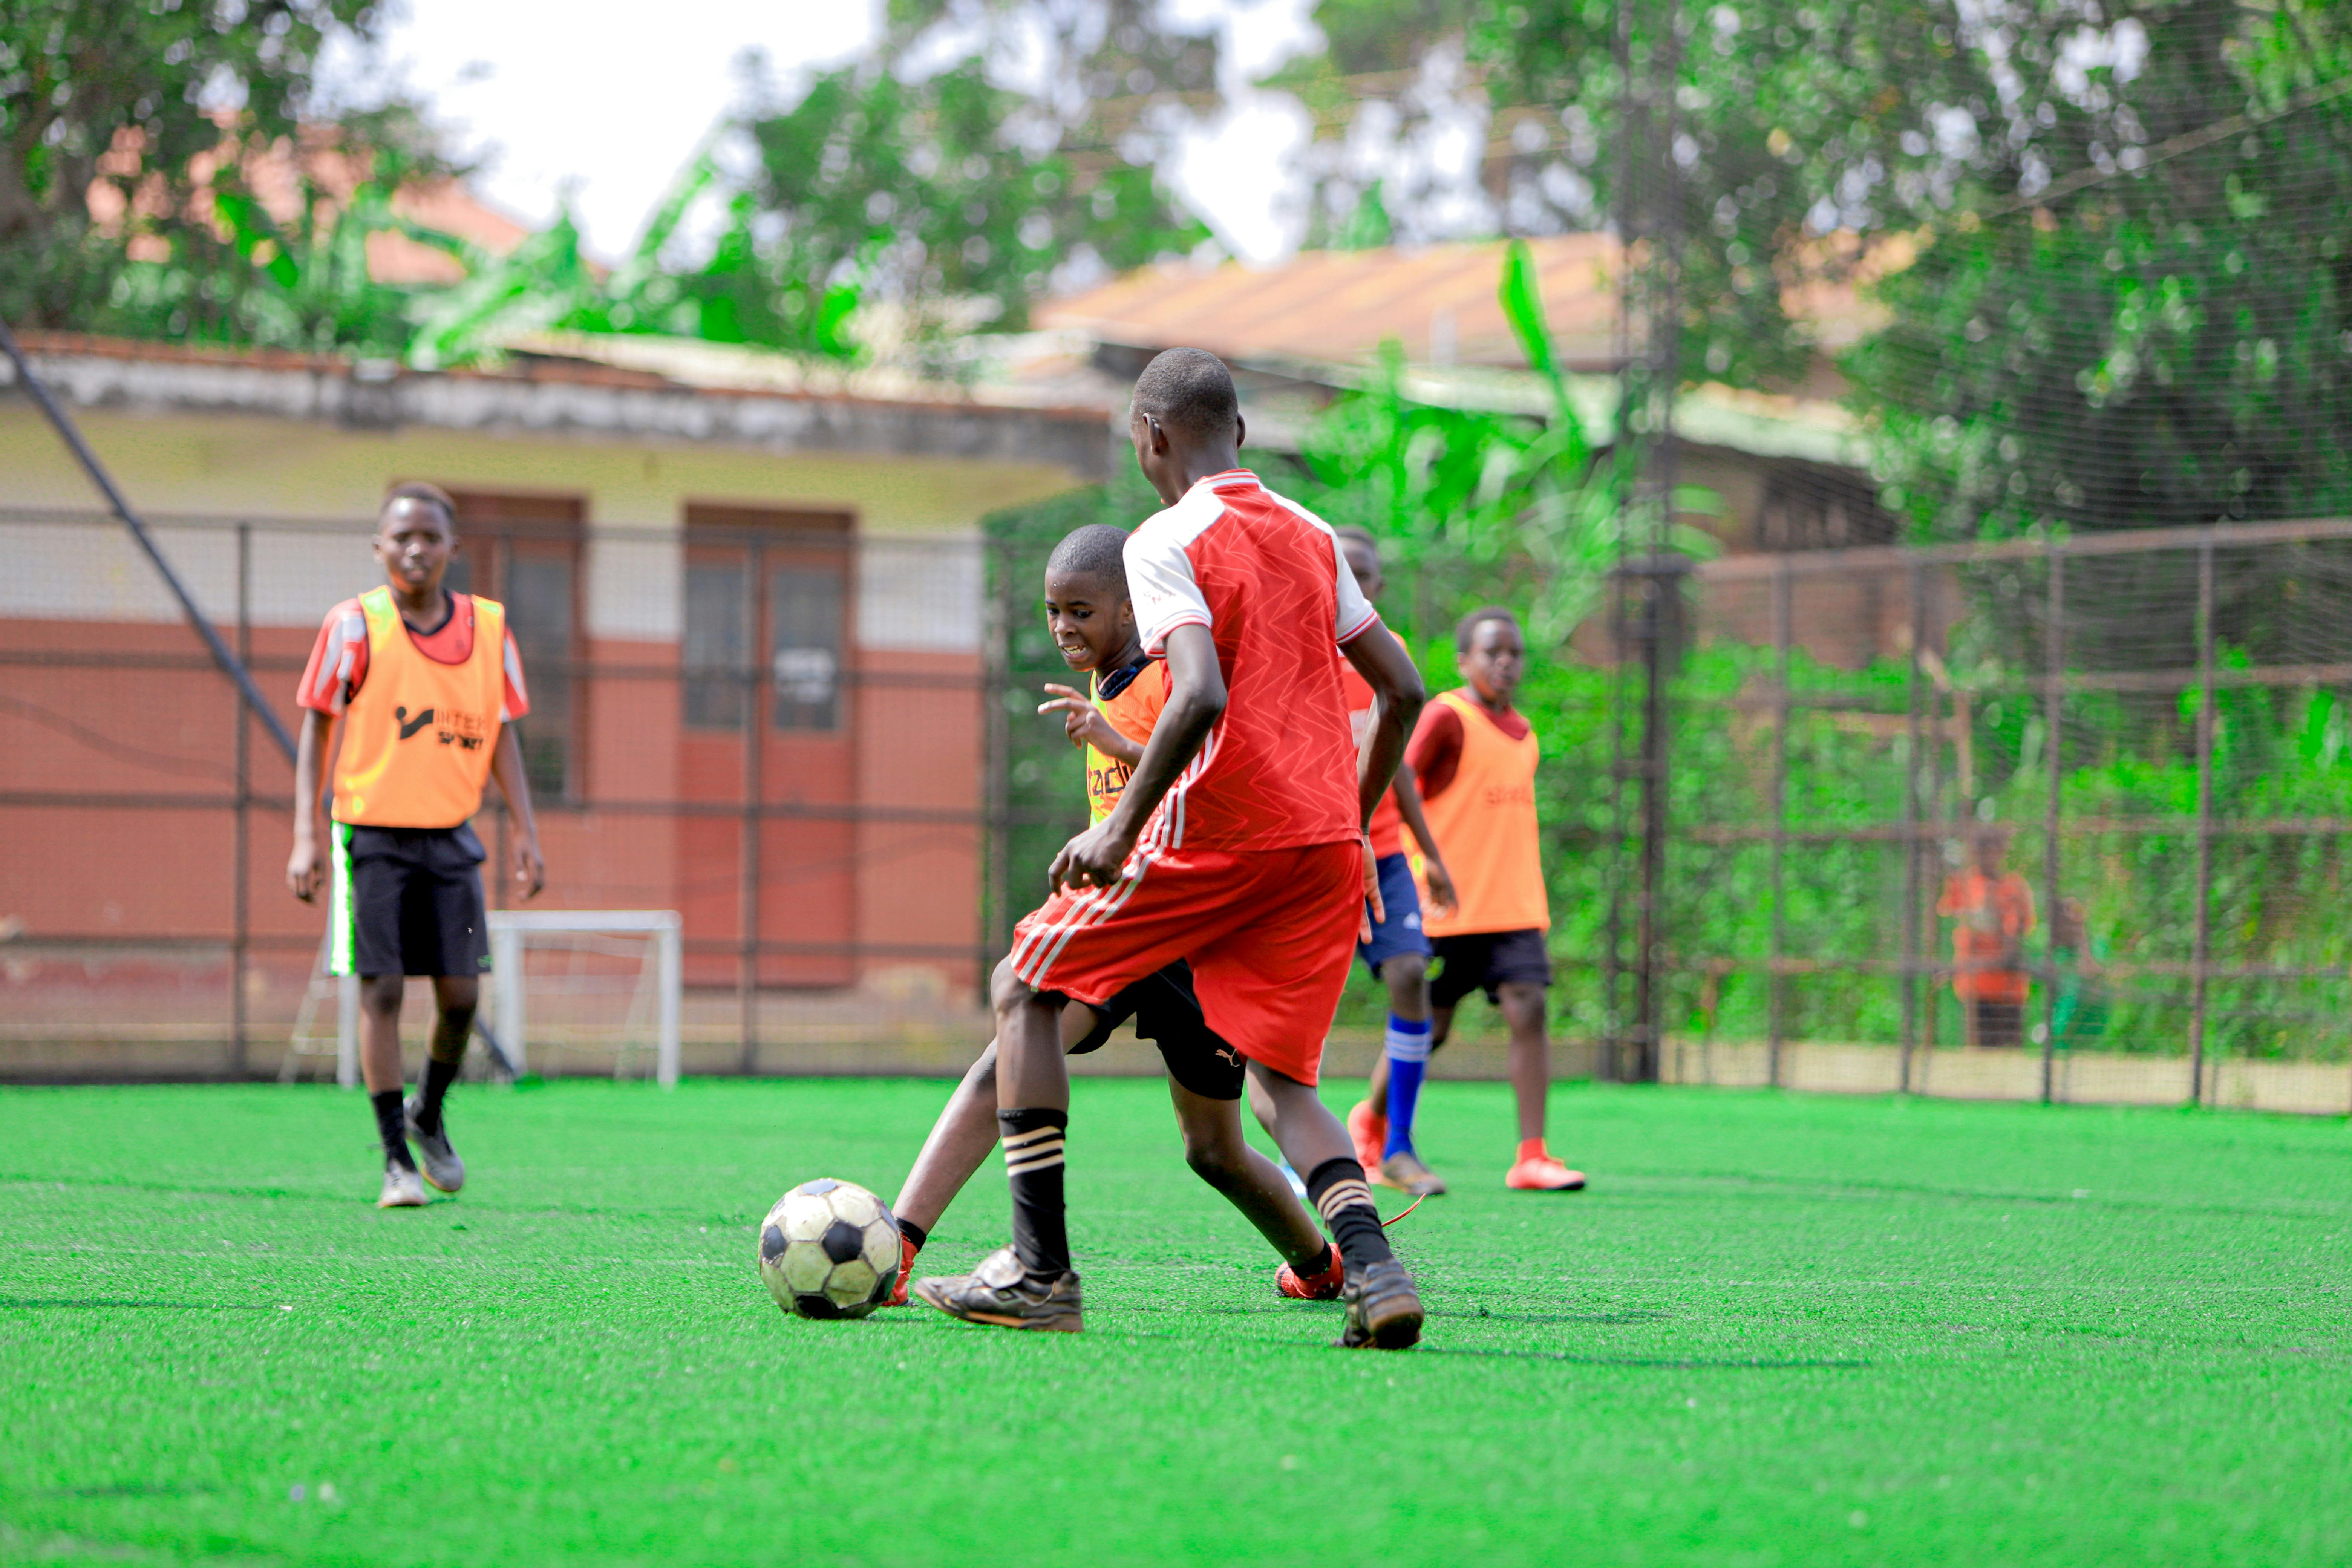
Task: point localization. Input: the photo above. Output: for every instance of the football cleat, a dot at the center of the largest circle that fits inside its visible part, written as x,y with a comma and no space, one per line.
403,1188
1404,1171
1001,1291
1323,1287
440,1162
906,1270
1538,1171
1383,1309
1369,1129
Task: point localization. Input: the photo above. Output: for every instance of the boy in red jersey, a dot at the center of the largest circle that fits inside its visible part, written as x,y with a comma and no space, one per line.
1237,845
1093,623
427,685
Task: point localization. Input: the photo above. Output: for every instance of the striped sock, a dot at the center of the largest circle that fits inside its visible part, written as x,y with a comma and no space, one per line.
1033,1161
1345,1204
1408,1054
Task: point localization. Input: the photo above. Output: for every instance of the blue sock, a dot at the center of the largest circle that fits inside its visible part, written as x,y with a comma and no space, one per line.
1408,1054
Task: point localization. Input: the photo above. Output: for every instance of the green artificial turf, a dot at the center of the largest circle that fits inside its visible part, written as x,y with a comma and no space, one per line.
1776,1330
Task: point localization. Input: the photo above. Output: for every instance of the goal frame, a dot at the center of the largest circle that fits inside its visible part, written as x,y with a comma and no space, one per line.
509,1011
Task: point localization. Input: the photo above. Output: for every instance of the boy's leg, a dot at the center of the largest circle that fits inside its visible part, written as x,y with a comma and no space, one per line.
456,996
380,999
1523,1014
1405,1050
1523,1005
1382,1308
1219,1154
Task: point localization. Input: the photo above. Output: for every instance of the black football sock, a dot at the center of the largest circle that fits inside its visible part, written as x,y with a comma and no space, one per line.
1340,1196
439,1076
1032,1160
392,1125
914,1233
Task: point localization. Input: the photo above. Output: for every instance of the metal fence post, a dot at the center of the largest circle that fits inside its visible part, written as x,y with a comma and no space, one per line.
2202,948
1774,1025
1911,836
754,742
2053,707
241,835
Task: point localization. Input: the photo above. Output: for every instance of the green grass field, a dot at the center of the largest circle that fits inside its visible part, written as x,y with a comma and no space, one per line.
1775,1331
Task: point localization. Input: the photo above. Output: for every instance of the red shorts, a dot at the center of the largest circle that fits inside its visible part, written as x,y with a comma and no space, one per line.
1269,935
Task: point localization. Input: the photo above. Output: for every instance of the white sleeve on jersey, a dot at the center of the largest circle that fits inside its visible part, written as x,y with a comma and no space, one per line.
1159,581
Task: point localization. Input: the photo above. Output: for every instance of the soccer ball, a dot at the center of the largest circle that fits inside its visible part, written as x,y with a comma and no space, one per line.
829,1249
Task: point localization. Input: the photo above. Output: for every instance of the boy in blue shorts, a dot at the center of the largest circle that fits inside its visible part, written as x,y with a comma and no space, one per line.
1397,952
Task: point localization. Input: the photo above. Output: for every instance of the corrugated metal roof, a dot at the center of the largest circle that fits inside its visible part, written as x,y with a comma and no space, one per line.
1439,301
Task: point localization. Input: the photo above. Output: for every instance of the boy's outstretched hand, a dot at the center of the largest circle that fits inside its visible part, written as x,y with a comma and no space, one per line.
1084,724
1441,884
1376,911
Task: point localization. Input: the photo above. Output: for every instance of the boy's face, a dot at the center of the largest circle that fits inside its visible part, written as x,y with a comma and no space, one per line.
1092,622
1991,850
1496,660
1365,561
414,541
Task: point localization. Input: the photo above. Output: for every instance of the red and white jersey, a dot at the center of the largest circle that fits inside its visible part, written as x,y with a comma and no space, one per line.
1265,576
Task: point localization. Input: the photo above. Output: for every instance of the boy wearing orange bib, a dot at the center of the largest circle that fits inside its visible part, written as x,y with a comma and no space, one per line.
427,683
1474,756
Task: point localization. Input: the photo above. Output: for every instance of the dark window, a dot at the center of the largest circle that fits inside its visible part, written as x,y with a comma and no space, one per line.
716,653
804,646
766,600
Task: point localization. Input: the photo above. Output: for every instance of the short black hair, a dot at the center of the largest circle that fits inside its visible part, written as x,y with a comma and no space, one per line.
1188,388
1355,533
1097,551
431,495
1467,628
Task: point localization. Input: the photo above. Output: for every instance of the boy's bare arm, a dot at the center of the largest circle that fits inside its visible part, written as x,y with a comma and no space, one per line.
505,767
1396,686
1432,864
303,867
1196,699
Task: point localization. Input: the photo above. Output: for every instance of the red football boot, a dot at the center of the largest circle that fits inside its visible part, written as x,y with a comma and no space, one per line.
1323,1287
1538,1171
1368,1131
906,1269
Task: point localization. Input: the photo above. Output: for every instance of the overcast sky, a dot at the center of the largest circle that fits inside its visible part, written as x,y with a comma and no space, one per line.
610,101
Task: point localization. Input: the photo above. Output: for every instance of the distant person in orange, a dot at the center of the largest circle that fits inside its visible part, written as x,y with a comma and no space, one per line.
1992,913
427,685
1473,759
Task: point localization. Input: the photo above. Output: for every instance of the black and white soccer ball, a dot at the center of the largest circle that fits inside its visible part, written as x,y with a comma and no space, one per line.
829,1249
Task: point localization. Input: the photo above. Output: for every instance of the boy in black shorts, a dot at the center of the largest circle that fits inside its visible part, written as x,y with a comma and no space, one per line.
1094,625
426,684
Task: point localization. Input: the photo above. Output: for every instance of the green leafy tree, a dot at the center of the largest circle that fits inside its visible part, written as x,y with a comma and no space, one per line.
156,105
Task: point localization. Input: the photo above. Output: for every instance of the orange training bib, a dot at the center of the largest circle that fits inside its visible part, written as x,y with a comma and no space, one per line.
1485,824
419,734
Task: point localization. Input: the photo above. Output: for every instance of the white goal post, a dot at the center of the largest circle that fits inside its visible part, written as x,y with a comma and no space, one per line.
508,1021
508,1010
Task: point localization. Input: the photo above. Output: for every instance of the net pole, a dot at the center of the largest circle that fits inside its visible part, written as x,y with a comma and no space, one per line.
241,833
1911,838
670,954
2054,708
1775,1027
2202,948
70,434
754,695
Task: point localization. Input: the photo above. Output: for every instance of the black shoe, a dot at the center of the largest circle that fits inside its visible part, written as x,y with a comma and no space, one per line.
1384,1311
1001,1291
442,1167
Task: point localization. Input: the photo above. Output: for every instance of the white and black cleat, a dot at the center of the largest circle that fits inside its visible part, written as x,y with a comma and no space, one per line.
403,1188
441,1165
